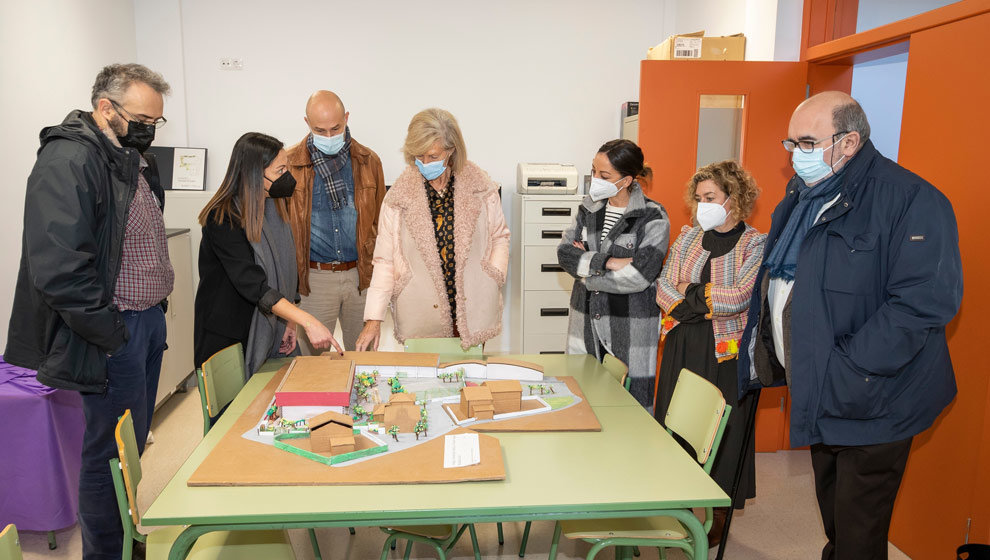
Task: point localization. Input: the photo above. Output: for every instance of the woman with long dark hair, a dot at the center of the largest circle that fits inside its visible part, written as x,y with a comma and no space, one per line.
614,250
247,270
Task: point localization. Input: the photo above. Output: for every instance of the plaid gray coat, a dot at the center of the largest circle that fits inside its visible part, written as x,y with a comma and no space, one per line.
617,310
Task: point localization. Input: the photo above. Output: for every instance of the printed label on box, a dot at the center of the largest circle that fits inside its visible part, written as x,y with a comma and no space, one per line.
687,47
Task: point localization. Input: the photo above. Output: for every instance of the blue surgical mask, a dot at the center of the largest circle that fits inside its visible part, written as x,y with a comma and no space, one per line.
811,167
431,170
329,145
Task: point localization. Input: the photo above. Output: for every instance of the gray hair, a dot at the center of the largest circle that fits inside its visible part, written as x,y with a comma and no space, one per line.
113,81
851,117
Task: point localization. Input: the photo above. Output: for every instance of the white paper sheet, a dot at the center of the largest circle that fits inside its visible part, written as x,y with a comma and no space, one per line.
461,450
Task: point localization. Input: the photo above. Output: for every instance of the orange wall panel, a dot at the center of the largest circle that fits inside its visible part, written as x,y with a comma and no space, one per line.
945,118
668,133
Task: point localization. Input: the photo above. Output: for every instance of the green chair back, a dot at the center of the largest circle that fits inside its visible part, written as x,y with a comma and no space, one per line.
698,414
441,346
617,368
129,463
222,376
10,545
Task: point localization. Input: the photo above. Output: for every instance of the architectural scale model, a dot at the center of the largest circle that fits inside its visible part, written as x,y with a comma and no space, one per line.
362,404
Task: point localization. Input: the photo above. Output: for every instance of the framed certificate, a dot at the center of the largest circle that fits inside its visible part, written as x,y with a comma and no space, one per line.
189,169
181,168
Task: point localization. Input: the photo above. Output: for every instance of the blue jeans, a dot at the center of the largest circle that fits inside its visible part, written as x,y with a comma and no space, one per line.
132,375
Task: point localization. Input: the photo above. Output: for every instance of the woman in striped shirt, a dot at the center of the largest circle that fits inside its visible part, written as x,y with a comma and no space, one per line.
614,250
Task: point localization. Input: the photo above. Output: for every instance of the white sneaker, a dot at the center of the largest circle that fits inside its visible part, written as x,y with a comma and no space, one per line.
151,438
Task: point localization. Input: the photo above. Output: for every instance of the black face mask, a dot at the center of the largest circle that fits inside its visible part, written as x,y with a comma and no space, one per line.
283,187
139,136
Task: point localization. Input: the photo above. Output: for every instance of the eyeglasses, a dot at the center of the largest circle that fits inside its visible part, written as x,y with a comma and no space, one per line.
807,146
159,122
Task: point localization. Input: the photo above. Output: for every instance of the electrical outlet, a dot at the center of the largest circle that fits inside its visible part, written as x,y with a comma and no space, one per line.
237,63
226,64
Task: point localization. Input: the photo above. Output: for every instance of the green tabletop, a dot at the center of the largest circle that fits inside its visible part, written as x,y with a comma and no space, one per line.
631,468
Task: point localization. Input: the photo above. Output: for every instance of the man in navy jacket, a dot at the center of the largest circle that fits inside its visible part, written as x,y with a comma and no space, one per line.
861,274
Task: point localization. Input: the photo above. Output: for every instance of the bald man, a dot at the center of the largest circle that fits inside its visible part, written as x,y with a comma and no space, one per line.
334,216
861,273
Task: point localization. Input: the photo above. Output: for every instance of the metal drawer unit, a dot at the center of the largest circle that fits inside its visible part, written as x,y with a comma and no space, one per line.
541,289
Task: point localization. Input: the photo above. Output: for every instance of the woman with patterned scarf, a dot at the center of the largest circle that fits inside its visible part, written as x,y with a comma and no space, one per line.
704,292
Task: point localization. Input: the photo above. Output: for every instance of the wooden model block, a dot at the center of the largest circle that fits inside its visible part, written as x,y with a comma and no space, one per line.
506,395
378,413
339,445
316,381
325,428
484,412
474,397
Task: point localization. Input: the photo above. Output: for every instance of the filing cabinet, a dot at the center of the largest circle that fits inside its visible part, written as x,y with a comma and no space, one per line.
541,288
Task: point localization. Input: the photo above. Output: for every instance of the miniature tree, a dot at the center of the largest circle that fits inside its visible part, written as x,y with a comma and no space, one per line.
393,431
460,374
418,428
359,411
396,385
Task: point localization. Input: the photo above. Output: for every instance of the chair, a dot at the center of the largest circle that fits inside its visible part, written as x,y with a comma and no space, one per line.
10,545
126,472
441,346
620,371
441,537
698,415
222,376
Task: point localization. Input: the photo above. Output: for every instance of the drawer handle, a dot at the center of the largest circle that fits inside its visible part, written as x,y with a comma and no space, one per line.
551,268
556,211
552,352
553,312
552,234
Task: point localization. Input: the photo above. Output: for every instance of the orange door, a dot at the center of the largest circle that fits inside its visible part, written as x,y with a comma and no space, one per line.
943,139
669,111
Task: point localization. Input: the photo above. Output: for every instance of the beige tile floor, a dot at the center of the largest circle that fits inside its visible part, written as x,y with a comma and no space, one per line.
781,523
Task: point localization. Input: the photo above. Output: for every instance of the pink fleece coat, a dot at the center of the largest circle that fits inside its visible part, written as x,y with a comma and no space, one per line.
407,275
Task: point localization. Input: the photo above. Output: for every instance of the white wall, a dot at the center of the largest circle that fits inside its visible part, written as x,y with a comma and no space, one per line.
874,13
52,51
879,88
772,27
528,81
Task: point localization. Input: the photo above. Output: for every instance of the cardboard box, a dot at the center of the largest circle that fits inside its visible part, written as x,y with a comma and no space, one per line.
695,46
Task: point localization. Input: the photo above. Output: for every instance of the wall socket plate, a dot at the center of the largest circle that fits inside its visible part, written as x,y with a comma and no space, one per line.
228,63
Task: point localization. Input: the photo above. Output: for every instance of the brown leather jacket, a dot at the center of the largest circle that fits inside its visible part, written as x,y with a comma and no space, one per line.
369,191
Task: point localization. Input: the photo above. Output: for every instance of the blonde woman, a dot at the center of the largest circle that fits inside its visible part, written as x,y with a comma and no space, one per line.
704,293
443,246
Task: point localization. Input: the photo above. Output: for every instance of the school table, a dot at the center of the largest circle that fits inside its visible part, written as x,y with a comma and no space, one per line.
632,468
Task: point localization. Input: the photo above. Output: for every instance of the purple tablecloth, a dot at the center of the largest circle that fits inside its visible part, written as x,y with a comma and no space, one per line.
40,448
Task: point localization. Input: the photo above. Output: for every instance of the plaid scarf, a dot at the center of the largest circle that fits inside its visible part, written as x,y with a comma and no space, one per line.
329,167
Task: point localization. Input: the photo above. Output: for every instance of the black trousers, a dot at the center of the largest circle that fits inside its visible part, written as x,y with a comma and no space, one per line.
856,487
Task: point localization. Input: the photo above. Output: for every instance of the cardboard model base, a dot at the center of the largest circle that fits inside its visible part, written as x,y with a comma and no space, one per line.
236,461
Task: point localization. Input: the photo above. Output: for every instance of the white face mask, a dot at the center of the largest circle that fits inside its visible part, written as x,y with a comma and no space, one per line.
711,215
601,189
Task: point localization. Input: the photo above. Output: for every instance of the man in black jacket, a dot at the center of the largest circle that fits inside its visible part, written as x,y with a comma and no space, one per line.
88,307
